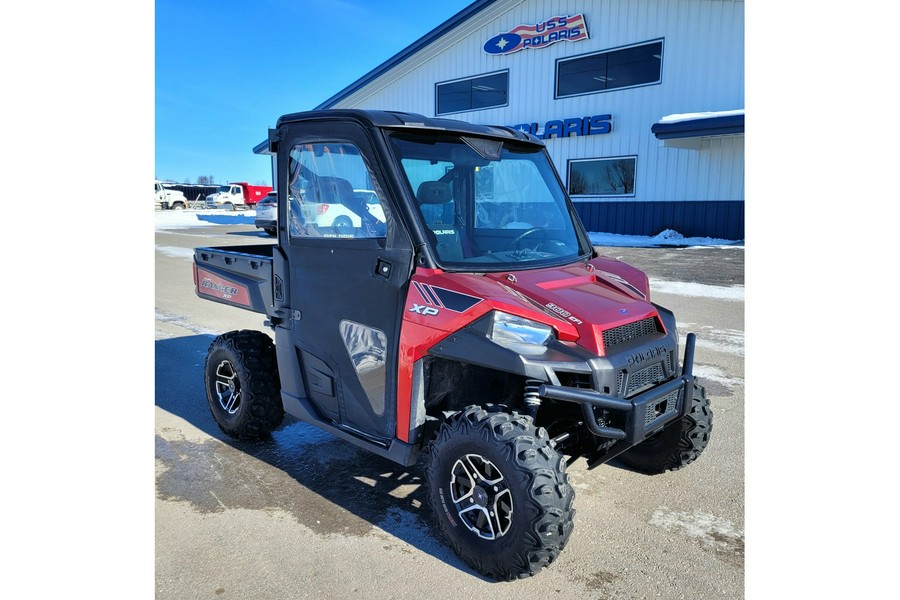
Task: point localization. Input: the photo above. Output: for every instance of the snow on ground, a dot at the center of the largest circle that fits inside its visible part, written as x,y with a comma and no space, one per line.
181,219
184,219
697,290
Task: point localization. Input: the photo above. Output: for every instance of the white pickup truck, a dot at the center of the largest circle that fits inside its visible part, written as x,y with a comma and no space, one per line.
165,198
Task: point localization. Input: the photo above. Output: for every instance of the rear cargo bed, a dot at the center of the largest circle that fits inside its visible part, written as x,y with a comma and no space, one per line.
235,275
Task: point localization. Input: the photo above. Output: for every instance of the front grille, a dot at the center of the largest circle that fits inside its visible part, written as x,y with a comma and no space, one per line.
647,376
663,406
631,331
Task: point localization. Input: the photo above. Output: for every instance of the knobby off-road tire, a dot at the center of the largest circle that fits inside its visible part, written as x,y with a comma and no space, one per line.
678,444
500,492
242,385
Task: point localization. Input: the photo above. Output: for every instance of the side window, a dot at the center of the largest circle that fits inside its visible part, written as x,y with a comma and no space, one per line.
331,193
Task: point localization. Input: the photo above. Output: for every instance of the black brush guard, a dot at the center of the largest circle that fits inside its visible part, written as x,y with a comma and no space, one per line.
645,413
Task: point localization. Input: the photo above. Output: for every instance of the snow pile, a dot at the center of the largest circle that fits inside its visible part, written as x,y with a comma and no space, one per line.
669,237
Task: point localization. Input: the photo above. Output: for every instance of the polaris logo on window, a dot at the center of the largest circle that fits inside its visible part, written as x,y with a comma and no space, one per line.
539,35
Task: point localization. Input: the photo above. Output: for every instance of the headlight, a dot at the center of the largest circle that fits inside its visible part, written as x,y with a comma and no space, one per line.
520,335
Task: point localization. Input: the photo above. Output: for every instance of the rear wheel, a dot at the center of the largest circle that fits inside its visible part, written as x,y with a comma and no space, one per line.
677,445
500,492
242,384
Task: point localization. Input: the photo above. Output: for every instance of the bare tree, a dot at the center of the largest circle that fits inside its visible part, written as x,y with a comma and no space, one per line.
620,175
577,183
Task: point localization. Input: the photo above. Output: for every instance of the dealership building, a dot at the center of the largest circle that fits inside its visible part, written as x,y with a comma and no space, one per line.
639,102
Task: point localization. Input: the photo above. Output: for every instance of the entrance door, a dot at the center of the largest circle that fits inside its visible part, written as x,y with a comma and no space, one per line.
348,267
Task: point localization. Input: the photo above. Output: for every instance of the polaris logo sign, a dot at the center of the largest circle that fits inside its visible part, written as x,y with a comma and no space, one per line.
563,128
540,35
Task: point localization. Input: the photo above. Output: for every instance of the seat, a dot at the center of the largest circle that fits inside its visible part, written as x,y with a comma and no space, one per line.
442,233
334,190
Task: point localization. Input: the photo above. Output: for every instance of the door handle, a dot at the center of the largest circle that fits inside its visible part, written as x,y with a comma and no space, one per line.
383,268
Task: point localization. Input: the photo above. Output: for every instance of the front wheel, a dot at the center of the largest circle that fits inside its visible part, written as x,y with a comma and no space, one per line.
679,444
500,492
242,388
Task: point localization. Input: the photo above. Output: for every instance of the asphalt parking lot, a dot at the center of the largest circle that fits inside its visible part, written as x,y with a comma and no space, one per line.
305,515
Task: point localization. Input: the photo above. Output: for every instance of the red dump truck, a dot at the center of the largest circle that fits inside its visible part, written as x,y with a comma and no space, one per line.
237,194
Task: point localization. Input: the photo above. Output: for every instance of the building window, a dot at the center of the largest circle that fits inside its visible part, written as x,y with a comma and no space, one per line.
602,176
475,93
610,70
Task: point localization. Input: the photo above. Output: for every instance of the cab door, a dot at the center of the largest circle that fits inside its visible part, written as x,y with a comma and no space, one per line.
346,282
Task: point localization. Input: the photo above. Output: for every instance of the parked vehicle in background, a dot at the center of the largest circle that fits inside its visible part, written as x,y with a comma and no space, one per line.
267,213
238,194
194,192
341,220
166,198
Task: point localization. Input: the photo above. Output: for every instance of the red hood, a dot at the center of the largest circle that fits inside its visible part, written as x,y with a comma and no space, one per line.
579,301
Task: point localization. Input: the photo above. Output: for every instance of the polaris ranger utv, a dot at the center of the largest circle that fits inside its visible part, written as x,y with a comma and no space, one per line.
468,319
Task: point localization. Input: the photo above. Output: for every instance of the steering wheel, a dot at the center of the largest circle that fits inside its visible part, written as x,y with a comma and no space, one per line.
523,235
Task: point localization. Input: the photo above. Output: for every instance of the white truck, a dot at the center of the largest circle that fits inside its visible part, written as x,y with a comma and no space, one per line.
165,198
238,194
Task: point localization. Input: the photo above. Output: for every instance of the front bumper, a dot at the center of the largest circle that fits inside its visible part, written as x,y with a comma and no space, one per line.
643,414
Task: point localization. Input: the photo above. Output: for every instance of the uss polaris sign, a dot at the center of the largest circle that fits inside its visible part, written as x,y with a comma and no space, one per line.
539,35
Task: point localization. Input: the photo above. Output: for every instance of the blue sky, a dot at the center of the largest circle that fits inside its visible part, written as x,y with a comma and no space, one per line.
226,70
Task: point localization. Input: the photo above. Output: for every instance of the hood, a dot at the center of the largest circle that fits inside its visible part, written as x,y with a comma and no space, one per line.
579,301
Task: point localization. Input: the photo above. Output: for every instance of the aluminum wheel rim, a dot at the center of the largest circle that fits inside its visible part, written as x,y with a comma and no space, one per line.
228,387
481,496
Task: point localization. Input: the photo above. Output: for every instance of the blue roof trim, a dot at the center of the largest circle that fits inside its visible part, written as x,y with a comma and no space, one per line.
430,37
710,126
262,147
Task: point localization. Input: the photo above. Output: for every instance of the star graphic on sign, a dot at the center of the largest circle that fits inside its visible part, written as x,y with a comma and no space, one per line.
502,43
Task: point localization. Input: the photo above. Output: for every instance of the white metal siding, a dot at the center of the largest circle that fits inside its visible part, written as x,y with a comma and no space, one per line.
703,70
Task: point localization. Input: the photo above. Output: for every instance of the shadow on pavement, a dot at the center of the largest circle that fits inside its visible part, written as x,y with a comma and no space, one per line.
342,489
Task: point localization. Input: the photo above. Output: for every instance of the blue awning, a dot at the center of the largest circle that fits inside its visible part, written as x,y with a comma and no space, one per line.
706,124
262,147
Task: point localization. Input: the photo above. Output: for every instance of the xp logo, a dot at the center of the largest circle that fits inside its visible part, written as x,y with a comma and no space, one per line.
428,311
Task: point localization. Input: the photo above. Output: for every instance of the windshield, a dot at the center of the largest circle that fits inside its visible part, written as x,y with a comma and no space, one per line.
489,205
224,188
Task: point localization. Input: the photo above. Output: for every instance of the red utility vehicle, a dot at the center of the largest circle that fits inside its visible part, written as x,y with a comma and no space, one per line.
475,327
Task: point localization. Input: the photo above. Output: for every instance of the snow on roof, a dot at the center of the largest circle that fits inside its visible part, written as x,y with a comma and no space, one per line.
679,118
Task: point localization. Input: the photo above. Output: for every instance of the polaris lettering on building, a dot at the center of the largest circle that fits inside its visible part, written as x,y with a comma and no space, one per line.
560,128
540,35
